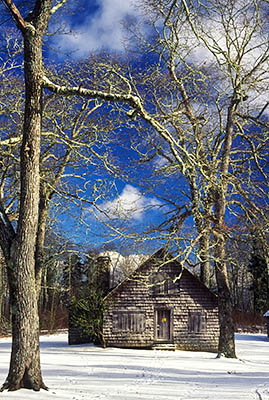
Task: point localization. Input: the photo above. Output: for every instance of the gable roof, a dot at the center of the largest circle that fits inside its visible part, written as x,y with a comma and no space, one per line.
160,256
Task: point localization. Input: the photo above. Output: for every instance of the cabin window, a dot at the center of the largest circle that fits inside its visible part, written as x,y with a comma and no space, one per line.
197,322
129,321
163,285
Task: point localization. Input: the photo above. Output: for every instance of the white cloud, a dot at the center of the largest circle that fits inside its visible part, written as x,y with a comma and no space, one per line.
130,204
160,162
243,43
221,44
101,30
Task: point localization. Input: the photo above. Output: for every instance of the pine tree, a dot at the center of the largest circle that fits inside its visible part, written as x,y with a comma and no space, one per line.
259,270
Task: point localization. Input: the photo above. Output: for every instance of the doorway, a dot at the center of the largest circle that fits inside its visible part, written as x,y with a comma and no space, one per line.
163,325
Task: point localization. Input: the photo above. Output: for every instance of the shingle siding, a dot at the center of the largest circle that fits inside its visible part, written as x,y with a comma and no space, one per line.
135,295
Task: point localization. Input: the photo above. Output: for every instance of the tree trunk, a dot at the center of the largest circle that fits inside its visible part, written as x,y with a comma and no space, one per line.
226,346
25,370
39,254
226,338
205,261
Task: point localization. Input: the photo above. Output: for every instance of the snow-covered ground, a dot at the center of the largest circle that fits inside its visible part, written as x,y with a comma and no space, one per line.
88,372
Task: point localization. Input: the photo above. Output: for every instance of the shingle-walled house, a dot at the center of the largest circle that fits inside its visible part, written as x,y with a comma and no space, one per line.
162,304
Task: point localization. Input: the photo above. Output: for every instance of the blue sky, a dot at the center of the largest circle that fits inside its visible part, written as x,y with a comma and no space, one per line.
97,27
100,27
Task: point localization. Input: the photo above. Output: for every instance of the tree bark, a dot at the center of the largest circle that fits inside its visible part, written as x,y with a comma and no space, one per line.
204,256
226,338
39,253
226,346
25,370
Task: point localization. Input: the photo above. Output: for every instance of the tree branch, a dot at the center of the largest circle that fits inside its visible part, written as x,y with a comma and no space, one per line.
11,141
57,6
132,100
21,24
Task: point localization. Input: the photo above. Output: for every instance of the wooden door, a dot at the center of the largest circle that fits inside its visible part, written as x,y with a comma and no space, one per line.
163,325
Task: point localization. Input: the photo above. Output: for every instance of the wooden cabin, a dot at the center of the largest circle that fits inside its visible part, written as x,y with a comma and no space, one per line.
162,305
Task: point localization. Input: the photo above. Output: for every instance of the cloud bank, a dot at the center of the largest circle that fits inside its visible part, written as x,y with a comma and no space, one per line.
102,30
130,204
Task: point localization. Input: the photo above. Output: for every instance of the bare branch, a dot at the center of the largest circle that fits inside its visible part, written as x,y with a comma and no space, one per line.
21,24
57,6
11,141
133,101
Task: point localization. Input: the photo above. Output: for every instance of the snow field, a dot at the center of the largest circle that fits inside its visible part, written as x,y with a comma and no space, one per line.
87,372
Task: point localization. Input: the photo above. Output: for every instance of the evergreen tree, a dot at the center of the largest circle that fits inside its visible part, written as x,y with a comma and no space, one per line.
258,268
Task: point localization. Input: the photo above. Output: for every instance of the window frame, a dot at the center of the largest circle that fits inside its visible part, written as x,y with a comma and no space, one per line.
161,284
133,321
197,322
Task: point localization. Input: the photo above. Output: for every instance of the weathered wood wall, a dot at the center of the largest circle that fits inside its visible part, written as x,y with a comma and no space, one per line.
193,309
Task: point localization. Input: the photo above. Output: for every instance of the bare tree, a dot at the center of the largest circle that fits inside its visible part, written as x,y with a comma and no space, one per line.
19,246
203,95
40,176
203,149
